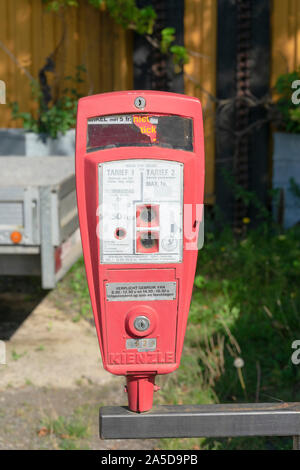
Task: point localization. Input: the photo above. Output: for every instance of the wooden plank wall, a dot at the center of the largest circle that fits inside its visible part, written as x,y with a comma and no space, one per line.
285,41
32,33
200,26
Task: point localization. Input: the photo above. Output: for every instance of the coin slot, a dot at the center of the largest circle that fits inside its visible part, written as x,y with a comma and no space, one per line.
147,215
147,242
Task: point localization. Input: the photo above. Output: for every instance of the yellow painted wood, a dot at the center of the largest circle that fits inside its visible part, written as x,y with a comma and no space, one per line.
200,25
285,37
4,65
32,34
93,39
200,32
22,46
10,77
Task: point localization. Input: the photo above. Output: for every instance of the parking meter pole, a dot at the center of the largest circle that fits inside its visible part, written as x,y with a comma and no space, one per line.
140,390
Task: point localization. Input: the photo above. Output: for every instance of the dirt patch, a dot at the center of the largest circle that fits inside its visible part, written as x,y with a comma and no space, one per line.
29,417
50,350
53,382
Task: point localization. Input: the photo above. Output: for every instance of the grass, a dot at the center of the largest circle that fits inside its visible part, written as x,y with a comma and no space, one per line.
245,305
16,356
68,431
72,293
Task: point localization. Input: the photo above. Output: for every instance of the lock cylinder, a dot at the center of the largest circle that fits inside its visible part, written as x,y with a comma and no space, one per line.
141,323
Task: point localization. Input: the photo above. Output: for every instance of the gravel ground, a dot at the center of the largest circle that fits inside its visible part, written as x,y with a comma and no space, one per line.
29,417
53,382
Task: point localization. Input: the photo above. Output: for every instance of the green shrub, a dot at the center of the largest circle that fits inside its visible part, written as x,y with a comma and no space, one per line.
289,111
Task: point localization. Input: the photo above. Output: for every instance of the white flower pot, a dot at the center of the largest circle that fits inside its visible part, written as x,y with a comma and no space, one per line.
35,146
19,142
64,144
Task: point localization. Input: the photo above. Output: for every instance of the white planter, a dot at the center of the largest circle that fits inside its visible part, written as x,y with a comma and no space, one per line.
286,165
64,144
35,146
19,142
12,142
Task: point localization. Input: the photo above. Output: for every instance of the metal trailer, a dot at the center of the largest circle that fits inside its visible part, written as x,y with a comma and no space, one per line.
38,200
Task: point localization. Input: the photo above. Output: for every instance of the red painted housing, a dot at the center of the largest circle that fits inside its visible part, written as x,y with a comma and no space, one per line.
114,320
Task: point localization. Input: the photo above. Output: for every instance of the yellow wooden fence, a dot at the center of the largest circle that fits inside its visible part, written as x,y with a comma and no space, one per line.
200,33
200,24
285,38
31,33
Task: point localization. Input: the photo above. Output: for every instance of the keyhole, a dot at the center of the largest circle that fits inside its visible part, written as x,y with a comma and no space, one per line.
141,323
140,102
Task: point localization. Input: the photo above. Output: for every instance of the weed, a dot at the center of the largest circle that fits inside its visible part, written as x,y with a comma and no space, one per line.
16,356
245,306
68,430
245,311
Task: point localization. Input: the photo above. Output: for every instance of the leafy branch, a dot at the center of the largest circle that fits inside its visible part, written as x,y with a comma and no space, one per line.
141,20
57,118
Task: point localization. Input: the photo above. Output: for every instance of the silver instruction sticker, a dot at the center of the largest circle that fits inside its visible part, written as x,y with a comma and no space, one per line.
142,345
126,291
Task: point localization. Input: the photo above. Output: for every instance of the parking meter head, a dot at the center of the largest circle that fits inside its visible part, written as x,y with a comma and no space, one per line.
140,186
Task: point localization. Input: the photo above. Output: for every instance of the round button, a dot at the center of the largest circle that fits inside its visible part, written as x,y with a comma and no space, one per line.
141,323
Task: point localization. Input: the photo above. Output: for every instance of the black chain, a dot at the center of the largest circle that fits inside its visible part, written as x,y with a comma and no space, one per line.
242,118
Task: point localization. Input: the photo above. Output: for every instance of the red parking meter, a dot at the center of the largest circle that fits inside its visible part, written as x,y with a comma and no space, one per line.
140,185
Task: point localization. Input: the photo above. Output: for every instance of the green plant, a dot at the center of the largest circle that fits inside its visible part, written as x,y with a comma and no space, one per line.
53,116
167,46
250,198
68,430
141,20
16,356
295,189
289,112
245,304
73,293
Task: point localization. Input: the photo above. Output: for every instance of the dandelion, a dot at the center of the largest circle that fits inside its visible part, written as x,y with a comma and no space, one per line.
246,220
239,363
